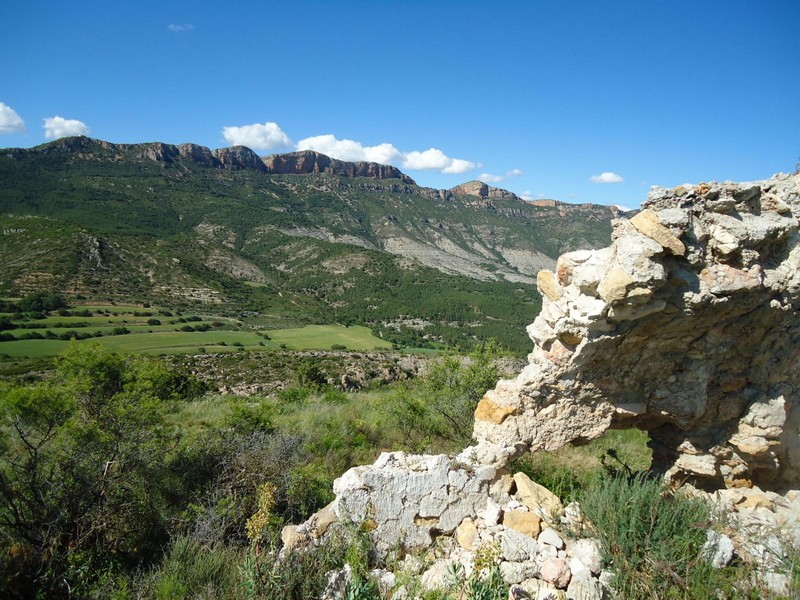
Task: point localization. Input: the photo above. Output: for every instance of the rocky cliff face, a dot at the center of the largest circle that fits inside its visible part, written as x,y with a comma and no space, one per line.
238,157
234,158
478,188
198,154
308,161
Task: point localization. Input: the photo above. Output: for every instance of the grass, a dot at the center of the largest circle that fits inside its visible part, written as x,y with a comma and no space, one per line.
161,341
192,570
317,337
570,469
652,538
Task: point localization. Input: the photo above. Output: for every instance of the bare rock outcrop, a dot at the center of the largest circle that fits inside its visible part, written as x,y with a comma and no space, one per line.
238,157
479,188
686,326
198,154
309,161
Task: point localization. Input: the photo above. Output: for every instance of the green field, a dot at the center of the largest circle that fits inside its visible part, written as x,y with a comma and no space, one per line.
322,337
109,329
313,337
139,342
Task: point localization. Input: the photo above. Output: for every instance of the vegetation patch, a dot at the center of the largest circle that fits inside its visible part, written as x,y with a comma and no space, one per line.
312,337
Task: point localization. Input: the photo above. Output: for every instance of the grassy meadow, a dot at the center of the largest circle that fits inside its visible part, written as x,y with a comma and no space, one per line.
134,329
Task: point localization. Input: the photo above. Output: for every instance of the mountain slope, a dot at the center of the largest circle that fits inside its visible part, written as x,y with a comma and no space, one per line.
350,242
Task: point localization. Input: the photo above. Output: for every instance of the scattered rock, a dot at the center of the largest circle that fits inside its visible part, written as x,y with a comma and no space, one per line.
518,547
538,498
467,534
550,537
718,549
556,571
523,521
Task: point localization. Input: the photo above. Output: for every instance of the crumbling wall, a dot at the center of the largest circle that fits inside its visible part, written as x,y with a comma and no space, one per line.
686,326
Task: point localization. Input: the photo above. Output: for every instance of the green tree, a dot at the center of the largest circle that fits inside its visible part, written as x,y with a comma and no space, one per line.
454,386
81,458
42,301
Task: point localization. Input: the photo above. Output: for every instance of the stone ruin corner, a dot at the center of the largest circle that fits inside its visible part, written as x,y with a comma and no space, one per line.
685,326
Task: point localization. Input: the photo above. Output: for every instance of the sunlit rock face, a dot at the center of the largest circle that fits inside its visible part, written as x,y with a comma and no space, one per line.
686,326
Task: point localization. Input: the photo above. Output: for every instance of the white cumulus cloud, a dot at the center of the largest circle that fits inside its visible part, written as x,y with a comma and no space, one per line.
459,165
526,195
58,127
387,154
351,150
514,173
606,177
489,178
266,136
10,121
180,27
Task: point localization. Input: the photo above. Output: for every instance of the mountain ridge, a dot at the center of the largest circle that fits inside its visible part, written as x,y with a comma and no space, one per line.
301,162
191,226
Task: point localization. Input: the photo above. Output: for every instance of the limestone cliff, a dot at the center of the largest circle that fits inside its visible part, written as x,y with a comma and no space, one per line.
238,157
308,161
479,188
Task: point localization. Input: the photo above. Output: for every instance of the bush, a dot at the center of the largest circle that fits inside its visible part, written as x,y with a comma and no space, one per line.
82,471
652,536
294,395
42,301
193,570
153,322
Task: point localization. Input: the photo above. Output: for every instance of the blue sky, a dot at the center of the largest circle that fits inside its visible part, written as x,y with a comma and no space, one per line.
538,97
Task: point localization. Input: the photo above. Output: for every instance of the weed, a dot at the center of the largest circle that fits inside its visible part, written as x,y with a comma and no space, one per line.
652,538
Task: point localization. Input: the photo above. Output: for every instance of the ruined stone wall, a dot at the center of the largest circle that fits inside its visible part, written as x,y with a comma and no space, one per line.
686,326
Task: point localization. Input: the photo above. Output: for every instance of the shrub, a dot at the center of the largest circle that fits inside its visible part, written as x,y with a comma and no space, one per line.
652,536
153,322
294,395
83,493
193,570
